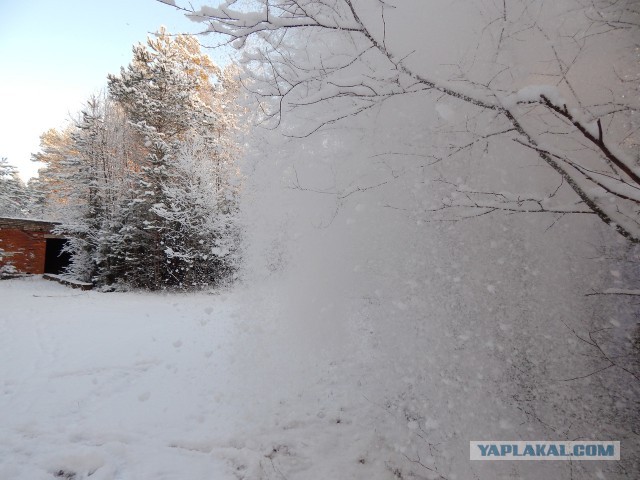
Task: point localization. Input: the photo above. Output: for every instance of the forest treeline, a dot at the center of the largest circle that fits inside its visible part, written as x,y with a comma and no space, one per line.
144,180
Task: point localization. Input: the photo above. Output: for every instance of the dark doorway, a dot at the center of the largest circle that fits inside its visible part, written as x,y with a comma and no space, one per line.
55,260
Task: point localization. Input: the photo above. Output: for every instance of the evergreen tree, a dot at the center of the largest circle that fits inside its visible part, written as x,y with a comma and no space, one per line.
144,181
88,173
167,94
14,196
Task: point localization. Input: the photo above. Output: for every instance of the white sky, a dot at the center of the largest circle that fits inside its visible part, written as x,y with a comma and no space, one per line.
54,54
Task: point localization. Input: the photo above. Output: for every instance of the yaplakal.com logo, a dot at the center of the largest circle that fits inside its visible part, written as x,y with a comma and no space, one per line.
544,450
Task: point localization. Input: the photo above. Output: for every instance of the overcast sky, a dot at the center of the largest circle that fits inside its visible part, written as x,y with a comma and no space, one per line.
54,54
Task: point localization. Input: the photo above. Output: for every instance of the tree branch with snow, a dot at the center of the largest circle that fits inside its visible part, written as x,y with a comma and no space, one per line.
340,59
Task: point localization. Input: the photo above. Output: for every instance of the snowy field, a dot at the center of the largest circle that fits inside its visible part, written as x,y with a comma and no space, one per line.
111,386
136,386
152,386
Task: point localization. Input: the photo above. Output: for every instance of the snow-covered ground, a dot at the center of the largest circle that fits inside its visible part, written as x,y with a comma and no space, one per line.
137,386
174,386
112,386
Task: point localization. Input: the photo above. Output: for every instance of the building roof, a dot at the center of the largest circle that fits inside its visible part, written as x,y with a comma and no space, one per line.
29,224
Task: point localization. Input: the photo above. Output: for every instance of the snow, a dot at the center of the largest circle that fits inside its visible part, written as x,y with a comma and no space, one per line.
533,94
73,283
236,384
132,386
93,384
445,111
384,339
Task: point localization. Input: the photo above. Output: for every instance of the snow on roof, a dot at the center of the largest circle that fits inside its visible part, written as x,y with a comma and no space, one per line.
31,220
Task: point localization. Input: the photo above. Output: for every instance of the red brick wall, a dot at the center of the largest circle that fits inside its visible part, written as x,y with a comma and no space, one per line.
27,249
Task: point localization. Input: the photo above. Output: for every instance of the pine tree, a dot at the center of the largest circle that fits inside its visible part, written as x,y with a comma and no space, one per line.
145,176
169,98
88,173
14,196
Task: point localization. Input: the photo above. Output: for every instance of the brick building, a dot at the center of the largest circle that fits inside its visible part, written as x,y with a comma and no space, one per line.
31,247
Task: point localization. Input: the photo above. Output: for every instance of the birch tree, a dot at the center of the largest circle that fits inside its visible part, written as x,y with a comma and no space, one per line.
55,147
537,80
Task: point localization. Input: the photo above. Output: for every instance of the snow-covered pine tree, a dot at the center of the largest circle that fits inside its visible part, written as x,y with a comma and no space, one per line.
167,93
201,205
14,196
144,181
202,200
87,171
116,179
